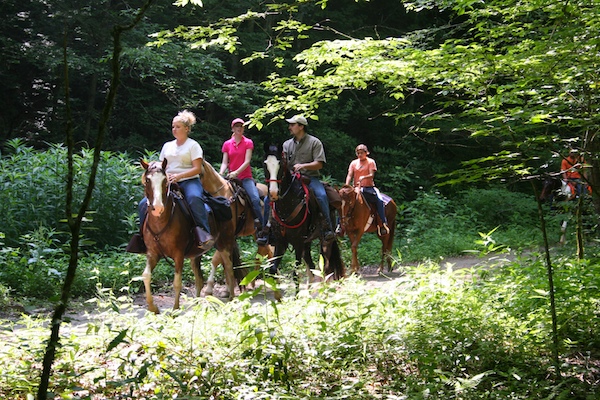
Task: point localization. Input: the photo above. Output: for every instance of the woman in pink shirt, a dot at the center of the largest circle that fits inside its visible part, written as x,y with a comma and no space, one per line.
237,154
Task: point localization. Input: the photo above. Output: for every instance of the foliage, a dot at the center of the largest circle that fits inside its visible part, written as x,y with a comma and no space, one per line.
33,194
435,333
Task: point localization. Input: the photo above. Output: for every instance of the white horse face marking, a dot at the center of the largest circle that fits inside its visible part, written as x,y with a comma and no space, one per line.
272,164
157,207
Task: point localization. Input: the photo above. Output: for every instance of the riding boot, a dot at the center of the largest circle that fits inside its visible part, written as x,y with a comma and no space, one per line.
136,244
261,236
328,234
203,240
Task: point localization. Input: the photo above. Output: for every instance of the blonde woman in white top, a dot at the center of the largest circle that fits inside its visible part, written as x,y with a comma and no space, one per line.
184,162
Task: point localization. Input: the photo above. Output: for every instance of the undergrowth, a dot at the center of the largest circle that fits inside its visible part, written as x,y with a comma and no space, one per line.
434,333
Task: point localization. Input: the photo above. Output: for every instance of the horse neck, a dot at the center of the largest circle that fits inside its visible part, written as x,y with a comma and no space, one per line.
214,183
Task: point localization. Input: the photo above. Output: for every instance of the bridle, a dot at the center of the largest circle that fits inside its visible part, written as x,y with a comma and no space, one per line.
302,204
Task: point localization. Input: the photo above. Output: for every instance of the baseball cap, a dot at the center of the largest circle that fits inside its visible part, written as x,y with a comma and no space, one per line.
237,121
297,119
362,147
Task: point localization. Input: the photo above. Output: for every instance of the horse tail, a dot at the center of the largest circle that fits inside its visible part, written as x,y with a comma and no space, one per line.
239,272
336,264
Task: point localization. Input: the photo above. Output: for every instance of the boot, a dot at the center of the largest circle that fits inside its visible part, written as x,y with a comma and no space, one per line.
261,237
383,229
136,244
203,239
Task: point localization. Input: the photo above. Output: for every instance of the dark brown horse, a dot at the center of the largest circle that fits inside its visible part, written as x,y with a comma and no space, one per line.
358,217
167,232
296,220
242,224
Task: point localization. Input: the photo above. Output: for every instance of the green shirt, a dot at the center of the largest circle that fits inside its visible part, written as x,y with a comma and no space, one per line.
307,150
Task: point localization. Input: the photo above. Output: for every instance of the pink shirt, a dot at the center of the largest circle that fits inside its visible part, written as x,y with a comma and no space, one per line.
360,168
237,155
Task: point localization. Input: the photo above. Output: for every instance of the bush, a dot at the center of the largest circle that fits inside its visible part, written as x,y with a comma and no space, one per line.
33,193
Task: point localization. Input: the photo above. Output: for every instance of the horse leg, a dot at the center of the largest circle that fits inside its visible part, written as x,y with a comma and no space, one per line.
310,265
229,275
151,262
563,232
210,282
354,241
198,277
177,280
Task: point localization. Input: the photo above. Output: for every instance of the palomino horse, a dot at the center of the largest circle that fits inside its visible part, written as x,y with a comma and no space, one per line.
296,218
242,223
356,219
167,232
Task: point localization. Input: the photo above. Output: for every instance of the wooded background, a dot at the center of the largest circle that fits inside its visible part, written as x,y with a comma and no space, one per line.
505,86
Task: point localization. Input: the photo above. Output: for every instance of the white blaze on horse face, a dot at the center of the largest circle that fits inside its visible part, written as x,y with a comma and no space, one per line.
157,207
273,168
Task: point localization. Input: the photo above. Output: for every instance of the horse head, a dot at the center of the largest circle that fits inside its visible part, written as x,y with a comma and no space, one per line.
274,168
155,185
348,195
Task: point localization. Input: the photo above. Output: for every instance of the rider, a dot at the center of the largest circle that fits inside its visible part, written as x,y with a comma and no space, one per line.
306,155
184,162
237,154
362,172
571,168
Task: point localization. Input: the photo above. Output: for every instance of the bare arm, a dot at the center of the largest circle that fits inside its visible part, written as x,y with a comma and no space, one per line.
195,170
245,164
311,166
224,164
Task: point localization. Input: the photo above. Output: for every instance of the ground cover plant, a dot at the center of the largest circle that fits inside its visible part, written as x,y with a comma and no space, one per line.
434,333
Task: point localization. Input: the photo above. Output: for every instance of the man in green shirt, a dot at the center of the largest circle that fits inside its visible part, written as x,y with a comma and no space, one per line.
305,154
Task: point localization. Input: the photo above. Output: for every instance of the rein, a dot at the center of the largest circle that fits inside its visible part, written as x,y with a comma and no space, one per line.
303,203
156,235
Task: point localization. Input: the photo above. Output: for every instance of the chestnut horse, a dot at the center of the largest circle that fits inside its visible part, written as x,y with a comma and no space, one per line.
167,232
358,217
242,222
296,220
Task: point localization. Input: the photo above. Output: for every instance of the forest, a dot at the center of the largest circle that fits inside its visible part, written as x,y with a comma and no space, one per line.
468,109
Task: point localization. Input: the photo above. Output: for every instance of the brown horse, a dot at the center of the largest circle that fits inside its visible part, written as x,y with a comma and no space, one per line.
358,217
167,232
242,222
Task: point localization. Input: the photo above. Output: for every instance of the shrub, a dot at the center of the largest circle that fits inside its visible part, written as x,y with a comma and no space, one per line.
34,193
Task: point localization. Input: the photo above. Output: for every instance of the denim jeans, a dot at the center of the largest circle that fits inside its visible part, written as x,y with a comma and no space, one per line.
319,190
379,202
193,192
250,188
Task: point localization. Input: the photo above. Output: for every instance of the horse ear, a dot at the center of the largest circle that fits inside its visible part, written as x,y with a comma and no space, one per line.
143,163
164,164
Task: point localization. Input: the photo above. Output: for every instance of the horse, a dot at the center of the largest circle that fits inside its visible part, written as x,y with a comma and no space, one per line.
242,223
557,192
357,218
167,232
295,219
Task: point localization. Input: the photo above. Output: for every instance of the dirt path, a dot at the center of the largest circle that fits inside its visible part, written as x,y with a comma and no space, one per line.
81,314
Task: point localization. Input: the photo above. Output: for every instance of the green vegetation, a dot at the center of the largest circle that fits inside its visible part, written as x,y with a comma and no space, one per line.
434,333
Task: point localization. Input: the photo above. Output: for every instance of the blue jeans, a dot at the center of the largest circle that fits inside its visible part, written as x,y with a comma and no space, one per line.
379,202
319,190
193,192
250,188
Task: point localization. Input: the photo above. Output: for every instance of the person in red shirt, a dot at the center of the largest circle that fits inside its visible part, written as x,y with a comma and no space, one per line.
571,170
237,154
361,171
